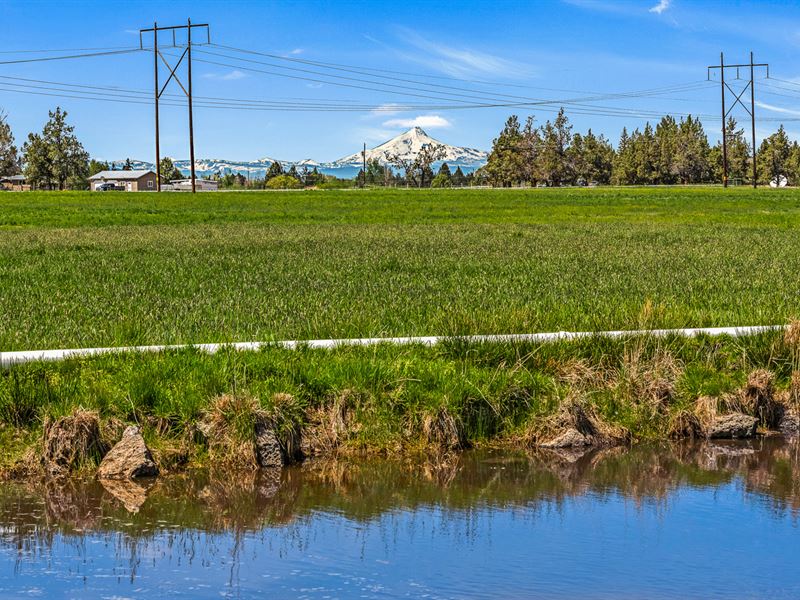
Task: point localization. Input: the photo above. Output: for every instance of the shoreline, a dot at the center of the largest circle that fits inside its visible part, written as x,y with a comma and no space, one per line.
277,406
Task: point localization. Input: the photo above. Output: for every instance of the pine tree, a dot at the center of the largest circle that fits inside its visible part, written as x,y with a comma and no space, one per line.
9,158
458,179
691,153
56,157
504,166
274,170
773,155
666,136
553,166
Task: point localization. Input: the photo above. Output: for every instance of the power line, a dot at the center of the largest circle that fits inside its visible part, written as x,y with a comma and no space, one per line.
70,56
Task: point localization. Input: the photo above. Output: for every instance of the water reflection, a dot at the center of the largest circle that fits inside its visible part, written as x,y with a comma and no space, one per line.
325,524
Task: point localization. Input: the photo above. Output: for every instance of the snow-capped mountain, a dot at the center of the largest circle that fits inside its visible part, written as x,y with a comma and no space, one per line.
408,144
405,145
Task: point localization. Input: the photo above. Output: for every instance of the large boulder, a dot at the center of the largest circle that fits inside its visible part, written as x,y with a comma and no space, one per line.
267,446
128,459
734,425
571,438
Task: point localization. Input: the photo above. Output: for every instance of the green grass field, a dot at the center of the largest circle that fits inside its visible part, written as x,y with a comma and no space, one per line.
84,269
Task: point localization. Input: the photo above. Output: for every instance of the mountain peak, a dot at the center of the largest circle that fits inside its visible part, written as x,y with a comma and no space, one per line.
408,144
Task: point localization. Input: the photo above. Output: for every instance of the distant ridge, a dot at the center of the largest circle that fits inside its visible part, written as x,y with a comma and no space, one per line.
406,145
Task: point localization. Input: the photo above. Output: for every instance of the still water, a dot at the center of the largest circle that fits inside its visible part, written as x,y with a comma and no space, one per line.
704,521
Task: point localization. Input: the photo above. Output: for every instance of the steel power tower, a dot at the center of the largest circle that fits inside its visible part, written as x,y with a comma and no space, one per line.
187,54
737,99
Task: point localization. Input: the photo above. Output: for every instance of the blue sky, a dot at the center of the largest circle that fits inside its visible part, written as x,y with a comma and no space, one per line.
549,50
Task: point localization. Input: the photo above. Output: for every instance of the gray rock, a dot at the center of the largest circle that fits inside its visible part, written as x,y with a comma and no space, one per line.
128,459
734,425
790,423
571,438
268,448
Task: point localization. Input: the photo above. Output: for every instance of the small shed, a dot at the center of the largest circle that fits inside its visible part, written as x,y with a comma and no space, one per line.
139,180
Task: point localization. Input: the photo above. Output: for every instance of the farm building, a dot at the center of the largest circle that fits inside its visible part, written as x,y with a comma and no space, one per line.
202,185
14,183
130,181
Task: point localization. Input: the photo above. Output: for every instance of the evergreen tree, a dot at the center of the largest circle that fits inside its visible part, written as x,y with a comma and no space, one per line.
531,144
738,153
56,157
293,172
552,162
274,170
793,164
666,136
95,166
9,158
128,166
375,172
504,166
624,170
773,155
691,153
458,179
168,169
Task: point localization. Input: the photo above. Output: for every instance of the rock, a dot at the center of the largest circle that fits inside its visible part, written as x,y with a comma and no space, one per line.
790,423
734,425
128,459
131,494
571,438
267,446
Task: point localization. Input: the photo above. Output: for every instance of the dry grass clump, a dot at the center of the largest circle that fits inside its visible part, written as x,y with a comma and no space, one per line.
229,428
442,430
685,424
328,427
582,374
575,413
72,442
649,381
706,409
285,417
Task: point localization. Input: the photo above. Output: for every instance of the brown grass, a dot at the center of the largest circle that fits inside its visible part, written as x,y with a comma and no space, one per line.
442,430
72,442
229,428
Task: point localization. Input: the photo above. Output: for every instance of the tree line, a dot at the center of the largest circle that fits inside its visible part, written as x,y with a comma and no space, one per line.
672,152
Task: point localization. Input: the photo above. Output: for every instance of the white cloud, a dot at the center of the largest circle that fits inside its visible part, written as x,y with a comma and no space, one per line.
296,51
230,76
458,62
660,7
778,109
429,121
387,110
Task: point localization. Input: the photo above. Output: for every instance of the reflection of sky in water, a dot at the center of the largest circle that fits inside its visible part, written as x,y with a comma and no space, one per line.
707,541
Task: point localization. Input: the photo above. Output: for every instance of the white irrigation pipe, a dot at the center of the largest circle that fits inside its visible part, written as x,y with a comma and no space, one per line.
12,358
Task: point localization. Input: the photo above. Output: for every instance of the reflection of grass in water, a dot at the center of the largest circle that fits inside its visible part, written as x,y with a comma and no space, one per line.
364,490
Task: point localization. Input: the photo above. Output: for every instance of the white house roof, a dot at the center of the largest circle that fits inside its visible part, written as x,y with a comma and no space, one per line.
118,175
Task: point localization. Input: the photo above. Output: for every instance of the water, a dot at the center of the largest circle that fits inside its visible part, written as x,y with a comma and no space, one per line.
705,521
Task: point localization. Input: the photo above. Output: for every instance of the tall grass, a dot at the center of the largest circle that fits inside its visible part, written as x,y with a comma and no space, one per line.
96,270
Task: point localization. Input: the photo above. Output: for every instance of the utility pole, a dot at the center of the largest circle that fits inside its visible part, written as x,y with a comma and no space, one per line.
187,53
737,99
364,165
753,117
191,122
155,78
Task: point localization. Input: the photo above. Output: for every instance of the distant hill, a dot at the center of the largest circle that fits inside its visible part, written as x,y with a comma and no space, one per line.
406,145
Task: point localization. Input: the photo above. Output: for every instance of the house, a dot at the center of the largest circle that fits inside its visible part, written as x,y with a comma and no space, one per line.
201,185
14,183
130,181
